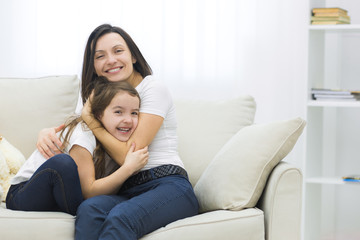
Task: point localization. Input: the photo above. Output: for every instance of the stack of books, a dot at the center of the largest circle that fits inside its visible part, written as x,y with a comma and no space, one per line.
351,178
334,94
329,16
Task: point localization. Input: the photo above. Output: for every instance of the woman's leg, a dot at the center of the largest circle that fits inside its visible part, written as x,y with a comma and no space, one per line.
55,186
154,205
92,213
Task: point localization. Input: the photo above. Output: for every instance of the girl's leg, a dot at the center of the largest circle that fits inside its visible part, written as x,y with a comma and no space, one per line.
160,202
55,186
91,215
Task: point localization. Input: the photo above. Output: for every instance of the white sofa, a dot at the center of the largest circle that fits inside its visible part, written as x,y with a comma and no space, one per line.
244,189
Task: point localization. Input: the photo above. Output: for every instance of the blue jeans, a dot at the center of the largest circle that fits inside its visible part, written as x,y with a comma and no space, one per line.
55,186
136,211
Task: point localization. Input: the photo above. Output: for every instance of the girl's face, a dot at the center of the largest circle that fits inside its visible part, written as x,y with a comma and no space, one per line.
113,58
120,118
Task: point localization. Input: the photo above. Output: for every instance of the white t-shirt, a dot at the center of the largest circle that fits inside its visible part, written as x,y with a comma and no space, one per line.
156,99
81,136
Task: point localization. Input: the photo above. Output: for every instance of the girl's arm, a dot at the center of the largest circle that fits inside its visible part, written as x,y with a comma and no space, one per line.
148,126
112,183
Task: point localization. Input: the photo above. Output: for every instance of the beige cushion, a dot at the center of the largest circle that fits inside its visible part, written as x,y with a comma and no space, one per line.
42,102
236,177
16,225
228,225
242,225
205,126
11,160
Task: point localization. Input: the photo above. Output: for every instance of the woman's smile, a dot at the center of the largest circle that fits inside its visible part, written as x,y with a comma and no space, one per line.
114,70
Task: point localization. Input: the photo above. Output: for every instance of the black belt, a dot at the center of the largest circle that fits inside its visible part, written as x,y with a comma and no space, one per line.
153,173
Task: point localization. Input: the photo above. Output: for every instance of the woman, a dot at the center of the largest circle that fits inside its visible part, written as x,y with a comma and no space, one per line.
160,193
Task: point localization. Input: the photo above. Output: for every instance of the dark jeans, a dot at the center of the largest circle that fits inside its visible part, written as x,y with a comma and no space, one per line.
55,186
136,211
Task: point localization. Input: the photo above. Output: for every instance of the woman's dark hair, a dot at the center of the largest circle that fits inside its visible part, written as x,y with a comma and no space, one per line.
88,72
104,92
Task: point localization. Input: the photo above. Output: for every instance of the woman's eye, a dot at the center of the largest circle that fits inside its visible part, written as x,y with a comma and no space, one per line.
118,50
99,56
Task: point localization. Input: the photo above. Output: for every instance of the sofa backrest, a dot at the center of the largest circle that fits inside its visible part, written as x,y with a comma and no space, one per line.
204,126
28,105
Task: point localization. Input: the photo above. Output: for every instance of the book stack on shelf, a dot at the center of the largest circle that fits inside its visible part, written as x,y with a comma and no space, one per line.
321,94
329,16
352,178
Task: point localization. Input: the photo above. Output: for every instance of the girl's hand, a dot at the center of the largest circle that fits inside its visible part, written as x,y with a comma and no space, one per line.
86,111
136,160
87,115
48,142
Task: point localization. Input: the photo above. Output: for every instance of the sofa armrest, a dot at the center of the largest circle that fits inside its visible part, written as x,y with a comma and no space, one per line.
281,202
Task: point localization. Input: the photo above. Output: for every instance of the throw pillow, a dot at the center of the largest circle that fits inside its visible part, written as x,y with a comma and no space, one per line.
237,175
11,159
204,126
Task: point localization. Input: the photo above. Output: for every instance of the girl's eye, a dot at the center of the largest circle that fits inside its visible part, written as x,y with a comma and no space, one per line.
118,112
135,113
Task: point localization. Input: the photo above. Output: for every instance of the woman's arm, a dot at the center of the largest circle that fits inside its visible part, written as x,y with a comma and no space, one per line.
112,183
148,126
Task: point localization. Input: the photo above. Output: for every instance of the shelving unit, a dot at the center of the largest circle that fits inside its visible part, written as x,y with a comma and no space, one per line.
331,206
323,180
314,103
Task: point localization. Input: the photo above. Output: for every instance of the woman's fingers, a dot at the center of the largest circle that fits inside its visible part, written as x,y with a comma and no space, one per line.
48,142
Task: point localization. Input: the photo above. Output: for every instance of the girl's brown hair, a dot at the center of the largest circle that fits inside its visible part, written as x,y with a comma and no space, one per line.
103,93
88,72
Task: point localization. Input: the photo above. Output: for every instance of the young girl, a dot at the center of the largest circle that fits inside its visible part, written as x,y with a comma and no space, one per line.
84,170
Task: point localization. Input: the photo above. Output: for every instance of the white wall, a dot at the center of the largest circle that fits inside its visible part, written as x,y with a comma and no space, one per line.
200,48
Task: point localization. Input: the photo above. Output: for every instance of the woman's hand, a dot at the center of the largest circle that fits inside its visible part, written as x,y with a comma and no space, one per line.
48,142
136,160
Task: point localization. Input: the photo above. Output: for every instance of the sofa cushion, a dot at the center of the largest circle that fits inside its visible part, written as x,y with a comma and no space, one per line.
16,225
236,177
205,126
243,225
43,102
222,224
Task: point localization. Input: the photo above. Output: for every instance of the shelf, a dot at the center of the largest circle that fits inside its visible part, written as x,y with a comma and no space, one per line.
333,52
338,27
332,181
315,103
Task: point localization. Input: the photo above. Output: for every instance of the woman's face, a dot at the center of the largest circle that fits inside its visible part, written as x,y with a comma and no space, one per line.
113,58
